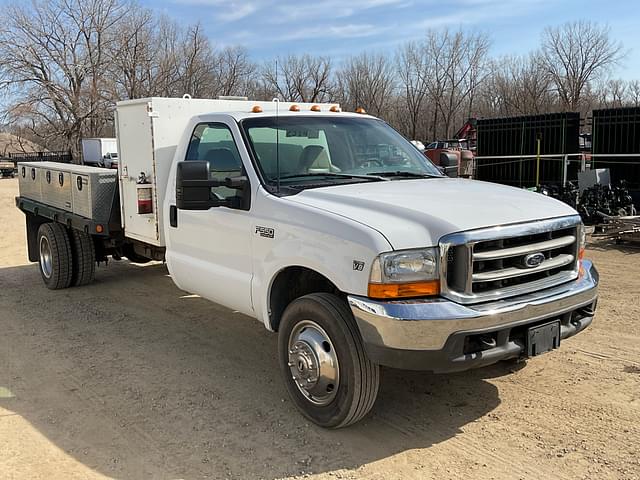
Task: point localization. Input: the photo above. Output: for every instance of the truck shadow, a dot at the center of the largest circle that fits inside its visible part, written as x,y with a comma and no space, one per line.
135,379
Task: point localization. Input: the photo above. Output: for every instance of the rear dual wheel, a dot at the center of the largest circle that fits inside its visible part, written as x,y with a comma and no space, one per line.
326,370
55,257
66,257
84,258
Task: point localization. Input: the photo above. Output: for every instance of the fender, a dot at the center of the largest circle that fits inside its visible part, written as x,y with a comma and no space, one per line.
336,247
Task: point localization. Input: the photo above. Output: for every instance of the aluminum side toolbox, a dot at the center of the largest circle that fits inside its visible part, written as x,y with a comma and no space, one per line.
93,190
29,180
55,185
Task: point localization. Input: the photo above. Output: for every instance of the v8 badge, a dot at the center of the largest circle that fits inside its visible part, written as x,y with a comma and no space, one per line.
358,265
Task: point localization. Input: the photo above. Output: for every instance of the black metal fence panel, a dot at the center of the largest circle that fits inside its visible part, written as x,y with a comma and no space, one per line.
62,157
616,131
558,134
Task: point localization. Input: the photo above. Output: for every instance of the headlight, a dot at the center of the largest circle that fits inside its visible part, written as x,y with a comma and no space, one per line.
407,273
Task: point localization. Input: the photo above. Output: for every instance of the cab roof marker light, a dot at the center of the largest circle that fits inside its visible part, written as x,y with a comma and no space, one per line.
294,108
361,110
256,109
335,109
315,108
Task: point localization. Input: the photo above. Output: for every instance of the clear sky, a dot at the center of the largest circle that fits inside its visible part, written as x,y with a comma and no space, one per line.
341,27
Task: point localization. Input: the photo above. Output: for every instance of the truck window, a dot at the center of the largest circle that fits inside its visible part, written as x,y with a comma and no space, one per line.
299,149
213,142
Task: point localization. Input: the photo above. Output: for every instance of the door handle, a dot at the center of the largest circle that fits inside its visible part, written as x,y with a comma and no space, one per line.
173,216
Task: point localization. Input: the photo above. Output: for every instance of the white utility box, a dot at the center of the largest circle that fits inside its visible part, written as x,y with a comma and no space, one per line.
148,132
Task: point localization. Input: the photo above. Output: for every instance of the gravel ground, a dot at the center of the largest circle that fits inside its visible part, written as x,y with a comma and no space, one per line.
131,378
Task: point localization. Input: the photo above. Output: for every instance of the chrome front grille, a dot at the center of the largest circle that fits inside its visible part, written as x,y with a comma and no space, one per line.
505,261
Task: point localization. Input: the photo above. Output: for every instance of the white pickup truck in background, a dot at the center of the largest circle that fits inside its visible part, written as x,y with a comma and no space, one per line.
328,227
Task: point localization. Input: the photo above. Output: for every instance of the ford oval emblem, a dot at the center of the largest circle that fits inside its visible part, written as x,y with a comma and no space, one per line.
534,259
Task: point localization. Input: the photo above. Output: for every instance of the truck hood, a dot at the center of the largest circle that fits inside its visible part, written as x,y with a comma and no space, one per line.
417,213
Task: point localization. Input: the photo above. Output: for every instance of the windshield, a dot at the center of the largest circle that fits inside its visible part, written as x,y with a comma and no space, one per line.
316,151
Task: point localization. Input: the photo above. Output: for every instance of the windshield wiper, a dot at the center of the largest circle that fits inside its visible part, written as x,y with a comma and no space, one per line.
332,174
405,174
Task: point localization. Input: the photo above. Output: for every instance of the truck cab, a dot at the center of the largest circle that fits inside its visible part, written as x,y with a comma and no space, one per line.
335,232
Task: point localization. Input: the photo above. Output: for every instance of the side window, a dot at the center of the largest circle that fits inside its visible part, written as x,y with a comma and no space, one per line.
213,142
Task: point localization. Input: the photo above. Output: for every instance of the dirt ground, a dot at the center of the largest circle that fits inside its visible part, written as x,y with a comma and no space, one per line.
131,378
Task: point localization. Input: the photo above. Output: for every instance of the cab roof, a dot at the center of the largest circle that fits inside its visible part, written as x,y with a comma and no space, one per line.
239,109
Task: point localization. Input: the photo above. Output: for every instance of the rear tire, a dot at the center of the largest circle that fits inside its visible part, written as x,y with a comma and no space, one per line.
325,367
54,255
84,258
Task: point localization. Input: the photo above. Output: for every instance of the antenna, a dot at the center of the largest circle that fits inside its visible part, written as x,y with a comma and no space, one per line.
277,101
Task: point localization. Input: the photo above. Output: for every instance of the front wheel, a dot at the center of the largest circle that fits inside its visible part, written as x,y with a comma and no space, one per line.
326,369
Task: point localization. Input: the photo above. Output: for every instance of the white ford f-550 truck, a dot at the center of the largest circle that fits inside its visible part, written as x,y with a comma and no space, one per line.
328,227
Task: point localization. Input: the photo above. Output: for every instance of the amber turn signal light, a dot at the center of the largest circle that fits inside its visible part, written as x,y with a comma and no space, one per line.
404,290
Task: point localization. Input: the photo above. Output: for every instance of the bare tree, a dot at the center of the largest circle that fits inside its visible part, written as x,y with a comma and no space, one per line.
233,72
413,73
634,93
52,61
64,64
614,93
574,55
299,78
196,62
367,81
519,86
459,62
133,55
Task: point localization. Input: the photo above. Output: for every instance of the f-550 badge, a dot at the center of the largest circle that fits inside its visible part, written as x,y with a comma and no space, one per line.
265,232
358,265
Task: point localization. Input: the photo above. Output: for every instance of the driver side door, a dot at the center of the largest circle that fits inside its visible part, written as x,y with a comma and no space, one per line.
210,250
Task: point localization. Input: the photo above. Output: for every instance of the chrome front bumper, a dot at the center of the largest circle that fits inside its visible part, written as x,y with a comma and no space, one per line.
437,327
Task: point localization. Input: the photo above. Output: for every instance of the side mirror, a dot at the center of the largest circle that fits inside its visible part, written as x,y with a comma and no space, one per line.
193,186
449,162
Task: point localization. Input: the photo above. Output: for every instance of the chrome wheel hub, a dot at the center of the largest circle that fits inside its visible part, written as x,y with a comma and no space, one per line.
313,362
45,257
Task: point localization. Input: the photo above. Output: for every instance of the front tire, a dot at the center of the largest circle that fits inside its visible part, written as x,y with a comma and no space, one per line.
55,258
325,367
